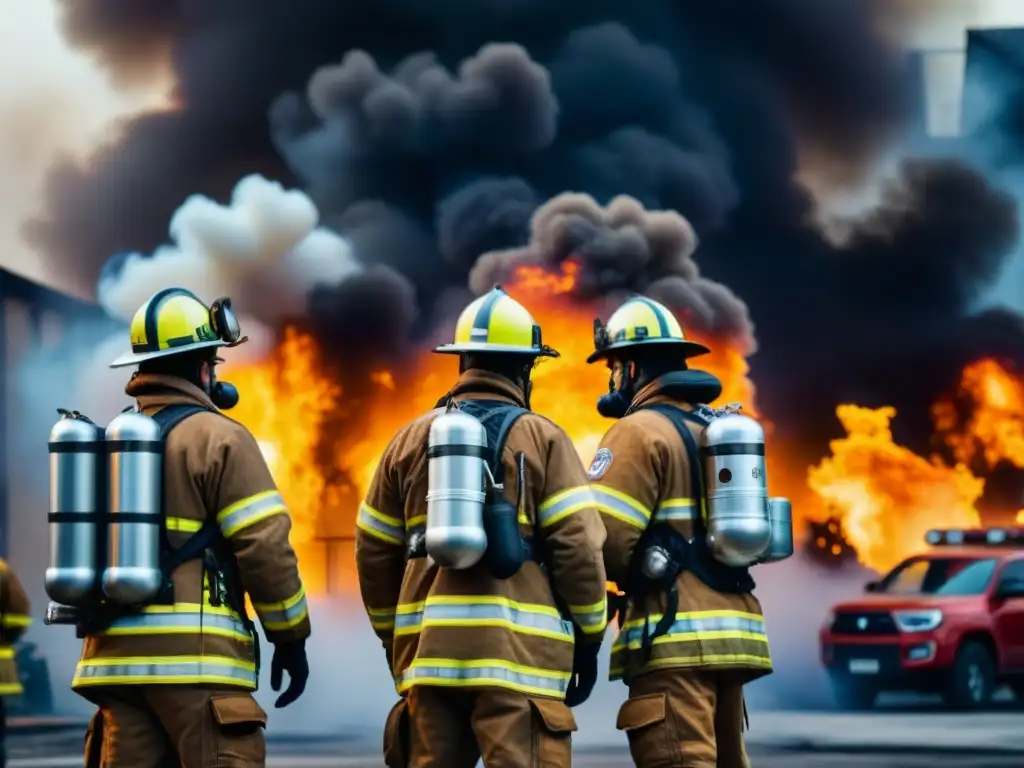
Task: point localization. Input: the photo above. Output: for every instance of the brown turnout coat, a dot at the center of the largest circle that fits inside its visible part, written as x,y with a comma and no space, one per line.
464,628
645,477
213,468
14,620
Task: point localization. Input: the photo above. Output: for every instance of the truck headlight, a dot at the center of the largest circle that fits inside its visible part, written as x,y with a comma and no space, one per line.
917,620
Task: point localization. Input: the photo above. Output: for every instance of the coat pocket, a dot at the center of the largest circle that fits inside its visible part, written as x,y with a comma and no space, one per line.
552,747
396,735
645,721
238,736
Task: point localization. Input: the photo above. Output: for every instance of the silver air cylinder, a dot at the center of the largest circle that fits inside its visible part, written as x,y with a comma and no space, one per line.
781,513
738,521
77,506
455,491
135,449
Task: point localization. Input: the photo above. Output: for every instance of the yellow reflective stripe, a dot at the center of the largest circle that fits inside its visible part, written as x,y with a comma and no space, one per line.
11,689
285,614
6,652
380,526
697,626
592,619
15,620
200,620
183,524
250,511
484,672
723,659
675,509
382,619
620,506
417,521
489,611
564,503
135,670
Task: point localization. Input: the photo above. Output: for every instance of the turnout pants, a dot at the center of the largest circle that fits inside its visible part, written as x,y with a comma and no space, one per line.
436,727
172,726
685,719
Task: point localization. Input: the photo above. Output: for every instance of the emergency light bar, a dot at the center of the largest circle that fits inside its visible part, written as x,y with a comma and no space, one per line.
991,537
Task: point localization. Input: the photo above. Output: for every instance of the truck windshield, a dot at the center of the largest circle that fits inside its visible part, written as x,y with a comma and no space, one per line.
939,576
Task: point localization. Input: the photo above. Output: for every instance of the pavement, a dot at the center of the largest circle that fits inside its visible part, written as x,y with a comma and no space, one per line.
882,739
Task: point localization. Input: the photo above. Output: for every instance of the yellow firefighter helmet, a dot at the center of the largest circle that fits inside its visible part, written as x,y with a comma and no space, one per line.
641,322
496,322
173,321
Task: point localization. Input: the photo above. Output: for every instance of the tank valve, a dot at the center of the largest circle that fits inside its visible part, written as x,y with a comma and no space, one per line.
60,614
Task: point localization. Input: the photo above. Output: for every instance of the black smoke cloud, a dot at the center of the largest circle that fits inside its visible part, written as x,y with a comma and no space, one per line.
620,251
431,146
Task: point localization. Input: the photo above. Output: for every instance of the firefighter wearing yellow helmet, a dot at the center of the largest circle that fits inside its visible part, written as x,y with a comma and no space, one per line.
691,633
478,549
170,656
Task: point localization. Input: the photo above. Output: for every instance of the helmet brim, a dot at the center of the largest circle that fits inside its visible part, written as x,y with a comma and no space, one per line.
134,358
687,347
498,349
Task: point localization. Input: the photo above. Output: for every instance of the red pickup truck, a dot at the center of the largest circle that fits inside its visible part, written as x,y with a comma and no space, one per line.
950,620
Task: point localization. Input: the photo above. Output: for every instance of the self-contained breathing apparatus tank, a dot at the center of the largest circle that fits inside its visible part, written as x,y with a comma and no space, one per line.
744,526
106,516
133,575
78,502
457,470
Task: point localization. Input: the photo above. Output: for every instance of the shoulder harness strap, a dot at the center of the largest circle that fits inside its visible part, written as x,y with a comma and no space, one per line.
498,419
168,418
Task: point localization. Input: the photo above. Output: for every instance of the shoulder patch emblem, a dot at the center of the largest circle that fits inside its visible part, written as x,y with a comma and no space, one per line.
598,467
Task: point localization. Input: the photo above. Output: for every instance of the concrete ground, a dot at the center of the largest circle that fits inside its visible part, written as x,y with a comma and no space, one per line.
776,740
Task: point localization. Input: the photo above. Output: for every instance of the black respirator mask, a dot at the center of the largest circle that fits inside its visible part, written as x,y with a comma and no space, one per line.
615,404
225,324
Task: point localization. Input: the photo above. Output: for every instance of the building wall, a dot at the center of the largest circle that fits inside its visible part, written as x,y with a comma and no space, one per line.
32,318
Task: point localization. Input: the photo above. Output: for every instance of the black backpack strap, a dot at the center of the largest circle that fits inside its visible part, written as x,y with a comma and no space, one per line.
498,419
167,419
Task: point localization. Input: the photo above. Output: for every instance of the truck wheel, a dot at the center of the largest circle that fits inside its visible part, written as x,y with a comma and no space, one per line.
973,679
854,695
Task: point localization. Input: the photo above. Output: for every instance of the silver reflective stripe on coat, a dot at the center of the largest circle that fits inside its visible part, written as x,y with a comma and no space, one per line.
283,615
562,504
164,670
704,627
180,622
675,509
380,526
249,511
484,672
620,506
491,614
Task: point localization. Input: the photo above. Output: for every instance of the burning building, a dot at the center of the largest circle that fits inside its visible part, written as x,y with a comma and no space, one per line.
423,167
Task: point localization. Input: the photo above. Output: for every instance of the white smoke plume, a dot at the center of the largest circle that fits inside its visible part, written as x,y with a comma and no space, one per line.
264,249
60,107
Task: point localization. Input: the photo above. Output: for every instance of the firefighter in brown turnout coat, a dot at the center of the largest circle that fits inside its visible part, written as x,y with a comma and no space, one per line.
691,631
173,677
479,556
14,620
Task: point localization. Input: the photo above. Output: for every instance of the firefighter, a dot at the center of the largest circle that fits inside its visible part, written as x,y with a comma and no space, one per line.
491,613
14,620
173,682
691,631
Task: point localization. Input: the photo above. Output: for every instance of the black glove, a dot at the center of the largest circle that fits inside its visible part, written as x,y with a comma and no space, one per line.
290,658
584,673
